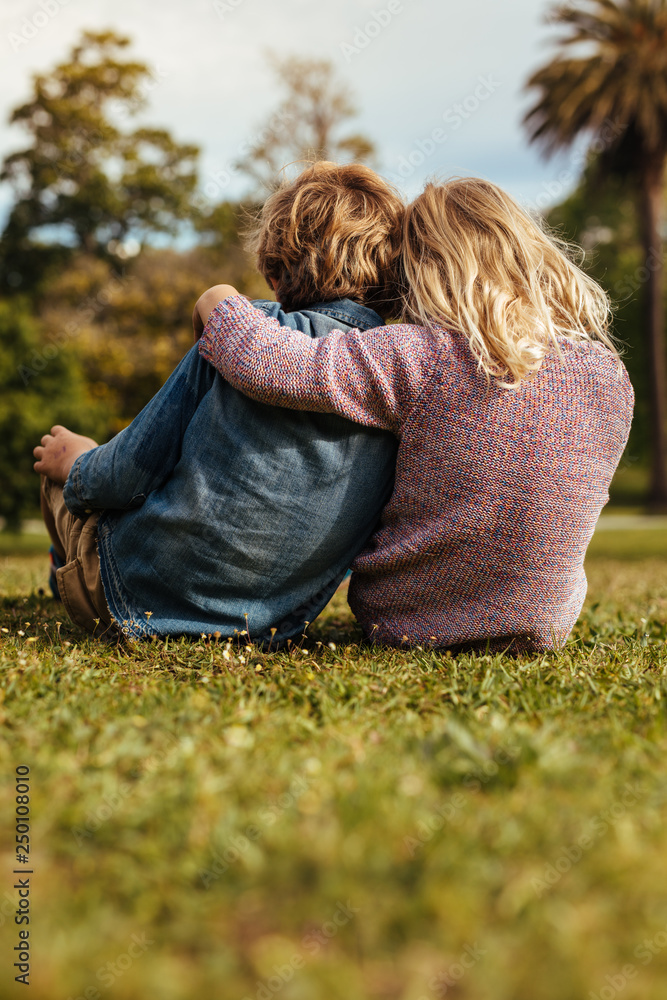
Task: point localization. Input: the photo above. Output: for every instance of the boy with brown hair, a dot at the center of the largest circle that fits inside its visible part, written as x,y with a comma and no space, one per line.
215,513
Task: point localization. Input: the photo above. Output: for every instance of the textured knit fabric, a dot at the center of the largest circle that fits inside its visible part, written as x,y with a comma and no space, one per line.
497,491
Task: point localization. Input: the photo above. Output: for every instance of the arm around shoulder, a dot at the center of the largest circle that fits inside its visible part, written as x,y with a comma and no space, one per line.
206,303
370,377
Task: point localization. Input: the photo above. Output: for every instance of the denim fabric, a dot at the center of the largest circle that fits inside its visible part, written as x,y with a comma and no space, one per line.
218,507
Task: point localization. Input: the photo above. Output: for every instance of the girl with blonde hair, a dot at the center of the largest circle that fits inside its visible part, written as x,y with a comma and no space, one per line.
511,407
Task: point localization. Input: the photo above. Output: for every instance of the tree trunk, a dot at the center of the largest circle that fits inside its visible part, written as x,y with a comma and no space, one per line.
652,177
89,243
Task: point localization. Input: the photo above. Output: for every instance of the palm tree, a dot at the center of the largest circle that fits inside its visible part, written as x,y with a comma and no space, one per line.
609,80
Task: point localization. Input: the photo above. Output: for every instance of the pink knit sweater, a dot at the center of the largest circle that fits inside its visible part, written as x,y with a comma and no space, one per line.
497,491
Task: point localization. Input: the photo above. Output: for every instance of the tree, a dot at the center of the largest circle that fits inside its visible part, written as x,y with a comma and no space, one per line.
130,326
41,384
601,216
609,81
306,124
84,182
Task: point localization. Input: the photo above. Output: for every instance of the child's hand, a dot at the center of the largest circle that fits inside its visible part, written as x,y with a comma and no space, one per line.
205,305
59,451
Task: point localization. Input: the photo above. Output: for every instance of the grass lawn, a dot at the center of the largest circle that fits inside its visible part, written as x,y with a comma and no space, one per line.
340,824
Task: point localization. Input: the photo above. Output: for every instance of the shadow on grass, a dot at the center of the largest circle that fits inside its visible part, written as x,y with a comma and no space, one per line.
24,571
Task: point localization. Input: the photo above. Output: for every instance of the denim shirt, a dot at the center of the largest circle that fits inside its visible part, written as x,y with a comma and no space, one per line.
223,514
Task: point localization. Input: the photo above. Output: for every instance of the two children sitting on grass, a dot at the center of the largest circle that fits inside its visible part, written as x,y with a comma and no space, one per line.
499,399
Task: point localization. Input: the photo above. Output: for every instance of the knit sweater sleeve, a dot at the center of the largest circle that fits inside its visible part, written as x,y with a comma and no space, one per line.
372,377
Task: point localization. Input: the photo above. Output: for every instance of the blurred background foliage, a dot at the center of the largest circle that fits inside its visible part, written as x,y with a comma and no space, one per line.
41,385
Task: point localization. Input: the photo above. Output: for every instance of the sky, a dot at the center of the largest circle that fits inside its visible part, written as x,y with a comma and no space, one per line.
439,84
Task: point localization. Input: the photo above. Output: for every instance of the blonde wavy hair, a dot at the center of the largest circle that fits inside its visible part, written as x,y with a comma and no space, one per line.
475,262
335,232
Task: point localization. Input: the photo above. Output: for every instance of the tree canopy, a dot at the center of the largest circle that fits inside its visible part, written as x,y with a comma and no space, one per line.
85,181
307,124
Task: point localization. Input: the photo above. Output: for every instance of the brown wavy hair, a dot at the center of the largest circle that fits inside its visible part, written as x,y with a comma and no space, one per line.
476,262
333,233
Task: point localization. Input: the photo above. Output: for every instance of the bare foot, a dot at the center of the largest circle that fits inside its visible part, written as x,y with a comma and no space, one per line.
59,451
